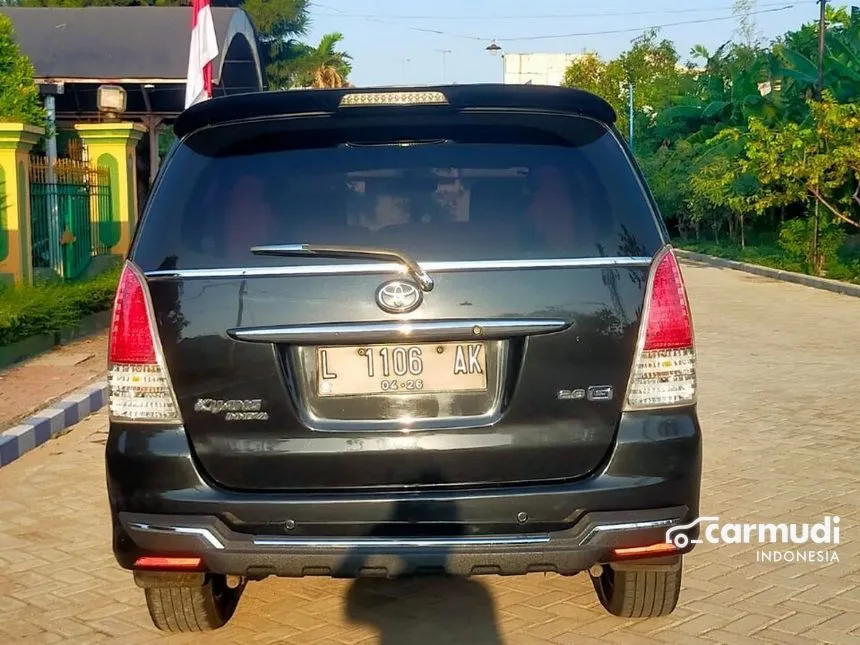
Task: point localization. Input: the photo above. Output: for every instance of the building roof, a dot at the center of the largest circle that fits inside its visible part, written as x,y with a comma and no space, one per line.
120,44
144,49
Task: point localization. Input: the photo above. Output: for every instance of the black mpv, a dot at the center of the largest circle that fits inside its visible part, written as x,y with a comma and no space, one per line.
402,331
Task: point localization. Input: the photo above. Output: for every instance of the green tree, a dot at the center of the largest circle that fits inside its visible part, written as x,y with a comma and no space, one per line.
797,54
728,190
813,251
19,96
589,73
651,64
279,24
322,66
735,143
736,84
669,172
818,159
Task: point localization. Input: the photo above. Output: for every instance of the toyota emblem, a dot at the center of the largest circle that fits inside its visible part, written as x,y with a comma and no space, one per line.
398,297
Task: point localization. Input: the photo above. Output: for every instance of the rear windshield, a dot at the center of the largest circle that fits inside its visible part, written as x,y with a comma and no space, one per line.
476,193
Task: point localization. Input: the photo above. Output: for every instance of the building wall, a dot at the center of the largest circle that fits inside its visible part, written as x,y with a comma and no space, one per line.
537,69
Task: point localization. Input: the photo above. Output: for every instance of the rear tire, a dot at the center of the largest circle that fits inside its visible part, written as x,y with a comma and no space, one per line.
638,592
193,609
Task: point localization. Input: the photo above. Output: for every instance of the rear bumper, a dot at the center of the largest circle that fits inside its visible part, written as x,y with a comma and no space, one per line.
225,551
162,504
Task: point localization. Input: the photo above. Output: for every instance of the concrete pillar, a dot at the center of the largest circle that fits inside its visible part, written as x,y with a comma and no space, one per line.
112,146
16,256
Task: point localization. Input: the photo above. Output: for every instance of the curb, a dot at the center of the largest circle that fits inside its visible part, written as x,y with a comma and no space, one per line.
46,424
844,288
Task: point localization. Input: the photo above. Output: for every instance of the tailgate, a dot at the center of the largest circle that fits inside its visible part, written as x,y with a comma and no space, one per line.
547,407
292,373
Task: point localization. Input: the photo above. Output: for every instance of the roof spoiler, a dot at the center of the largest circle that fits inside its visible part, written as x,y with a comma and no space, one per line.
257,105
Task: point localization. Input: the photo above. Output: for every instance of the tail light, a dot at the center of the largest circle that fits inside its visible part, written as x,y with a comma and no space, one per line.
664,369
138,381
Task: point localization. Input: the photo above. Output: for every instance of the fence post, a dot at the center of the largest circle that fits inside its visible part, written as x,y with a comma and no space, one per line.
113,146
16,258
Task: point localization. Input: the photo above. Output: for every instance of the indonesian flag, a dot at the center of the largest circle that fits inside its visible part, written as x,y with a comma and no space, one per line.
204,49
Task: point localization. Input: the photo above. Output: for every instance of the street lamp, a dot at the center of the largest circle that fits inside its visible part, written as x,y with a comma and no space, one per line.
494,48
55,228
111,100
404,62
444,53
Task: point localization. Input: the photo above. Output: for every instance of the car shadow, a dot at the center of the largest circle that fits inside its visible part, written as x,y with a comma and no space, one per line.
424,611
423,608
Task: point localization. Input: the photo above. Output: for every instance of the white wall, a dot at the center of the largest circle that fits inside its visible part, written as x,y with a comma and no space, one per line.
539,69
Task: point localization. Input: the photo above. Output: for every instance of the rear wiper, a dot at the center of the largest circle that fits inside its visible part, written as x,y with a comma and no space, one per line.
359,252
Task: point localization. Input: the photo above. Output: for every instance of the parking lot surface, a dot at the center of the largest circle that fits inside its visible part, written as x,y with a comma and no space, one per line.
779,386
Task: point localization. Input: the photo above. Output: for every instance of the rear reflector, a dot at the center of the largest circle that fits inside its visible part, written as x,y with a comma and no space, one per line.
661,548
664,369
137,378
169,564
393,98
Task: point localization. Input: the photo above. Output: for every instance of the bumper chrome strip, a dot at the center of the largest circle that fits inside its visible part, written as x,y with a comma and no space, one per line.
346,543
351,543
626,526
393,267
401,543
206,534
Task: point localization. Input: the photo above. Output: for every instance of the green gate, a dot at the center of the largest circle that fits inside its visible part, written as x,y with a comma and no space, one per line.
66,199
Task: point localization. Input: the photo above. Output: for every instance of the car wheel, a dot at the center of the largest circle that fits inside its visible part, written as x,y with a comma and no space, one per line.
193,609
638,592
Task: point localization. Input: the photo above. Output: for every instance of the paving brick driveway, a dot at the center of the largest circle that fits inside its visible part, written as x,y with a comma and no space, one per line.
780,382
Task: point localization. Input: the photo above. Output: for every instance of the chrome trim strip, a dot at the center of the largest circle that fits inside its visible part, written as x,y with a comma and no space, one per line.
402,542
346,333
206,534
391,267
627,526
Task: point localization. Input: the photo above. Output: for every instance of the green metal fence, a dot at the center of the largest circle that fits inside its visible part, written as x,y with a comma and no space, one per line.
71,211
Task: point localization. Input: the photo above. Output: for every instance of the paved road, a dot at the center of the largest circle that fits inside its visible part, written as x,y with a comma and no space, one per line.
36,384
780,381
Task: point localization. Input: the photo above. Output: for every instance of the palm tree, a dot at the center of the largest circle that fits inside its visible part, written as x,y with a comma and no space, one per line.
324,66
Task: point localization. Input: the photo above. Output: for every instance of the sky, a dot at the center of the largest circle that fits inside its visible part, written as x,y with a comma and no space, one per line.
444,41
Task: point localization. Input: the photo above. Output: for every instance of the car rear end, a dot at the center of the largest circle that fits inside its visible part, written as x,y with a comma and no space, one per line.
396,332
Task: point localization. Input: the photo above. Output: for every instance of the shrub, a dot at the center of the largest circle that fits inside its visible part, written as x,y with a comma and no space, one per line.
796,240
50,308
846,265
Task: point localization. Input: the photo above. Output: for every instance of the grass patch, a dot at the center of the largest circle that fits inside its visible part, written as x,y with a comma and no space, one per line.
51,308
845,267
769,255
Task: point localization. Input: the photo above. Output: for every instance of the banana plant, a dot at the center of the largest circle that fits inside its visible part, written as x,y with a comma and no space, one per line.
841,63
729,91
